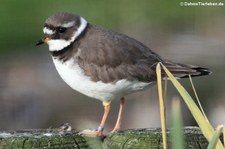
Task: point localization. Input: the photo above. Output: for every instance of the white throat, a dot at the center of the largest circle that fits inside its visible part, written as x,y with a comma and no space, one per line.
59,44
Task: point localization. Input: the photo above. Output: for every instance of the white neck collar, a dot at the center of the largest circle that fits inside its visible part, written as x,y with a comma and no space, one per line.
59,44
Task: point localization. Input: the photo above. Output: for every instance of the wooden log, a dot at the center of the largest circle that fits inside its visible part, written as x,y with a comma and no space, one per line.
128,139
152,139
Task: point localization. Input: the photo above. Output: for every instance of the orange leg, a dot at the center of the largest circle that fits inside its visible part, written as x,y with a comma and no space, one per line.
105,115
99,132
119,118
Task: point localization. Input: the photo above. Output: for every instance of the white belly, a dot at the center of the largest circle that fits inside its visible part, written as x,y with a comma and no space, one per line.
74,76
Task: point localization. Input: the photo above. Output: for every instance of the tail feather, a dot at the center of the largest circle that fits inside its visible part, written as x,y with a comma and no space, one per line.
183,71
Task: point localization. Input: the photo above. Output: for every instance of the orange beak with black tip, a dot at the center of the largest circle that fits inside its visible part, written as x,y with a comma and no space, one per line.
43,40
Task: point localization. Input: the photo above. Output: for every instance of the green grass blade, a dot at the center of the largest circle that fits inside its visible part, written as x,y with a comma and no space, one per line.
177,135
215,138
196,95
204,125
161,105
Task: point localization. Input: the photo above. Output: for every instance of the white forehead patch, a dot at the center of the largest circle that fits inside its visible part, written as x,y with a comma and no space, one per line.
59,44
69,24
48,31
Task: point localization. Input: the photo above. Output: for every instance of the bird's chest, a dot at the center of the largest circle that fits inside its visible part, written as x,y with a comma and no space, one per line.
74,76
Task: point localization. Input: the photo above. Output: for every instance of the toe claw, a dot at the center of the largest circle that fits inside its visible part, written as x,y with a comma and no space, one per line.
115,130
91,133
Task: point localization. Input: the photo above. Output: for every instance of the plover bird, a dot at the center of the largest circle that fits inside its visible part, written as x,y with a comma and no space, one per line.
104,64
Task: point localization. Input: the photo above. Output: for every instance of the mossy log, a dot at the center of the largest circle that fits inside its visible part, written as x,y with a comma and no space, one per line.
128,139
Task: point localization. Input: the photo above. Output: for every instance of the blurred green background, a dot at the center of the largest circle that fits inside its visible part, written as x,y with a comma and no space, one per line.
32,94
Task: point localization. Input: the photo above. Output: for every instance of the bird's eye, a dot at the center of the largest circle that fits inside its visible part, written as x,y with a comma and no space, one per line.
61,29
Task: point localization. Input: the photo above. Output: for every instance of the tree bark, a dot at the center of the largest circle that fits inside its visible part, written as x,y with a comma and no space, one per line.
128,139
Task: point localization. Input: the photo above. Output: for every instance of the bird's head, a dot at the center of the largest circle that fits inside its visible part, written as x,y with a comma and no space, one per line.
61,30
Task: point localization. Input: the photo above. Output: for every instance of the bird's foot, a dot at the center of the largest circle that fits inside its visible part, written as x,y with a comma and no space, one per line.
91,133
115,130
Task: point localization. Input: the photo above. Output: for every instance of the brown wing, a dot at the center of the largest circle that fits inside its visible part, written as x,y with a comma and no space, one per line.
109,56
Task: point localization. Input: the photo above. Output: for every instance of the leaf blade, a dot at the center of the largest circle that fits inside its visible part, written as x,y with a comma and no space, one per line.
204,125
161,105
